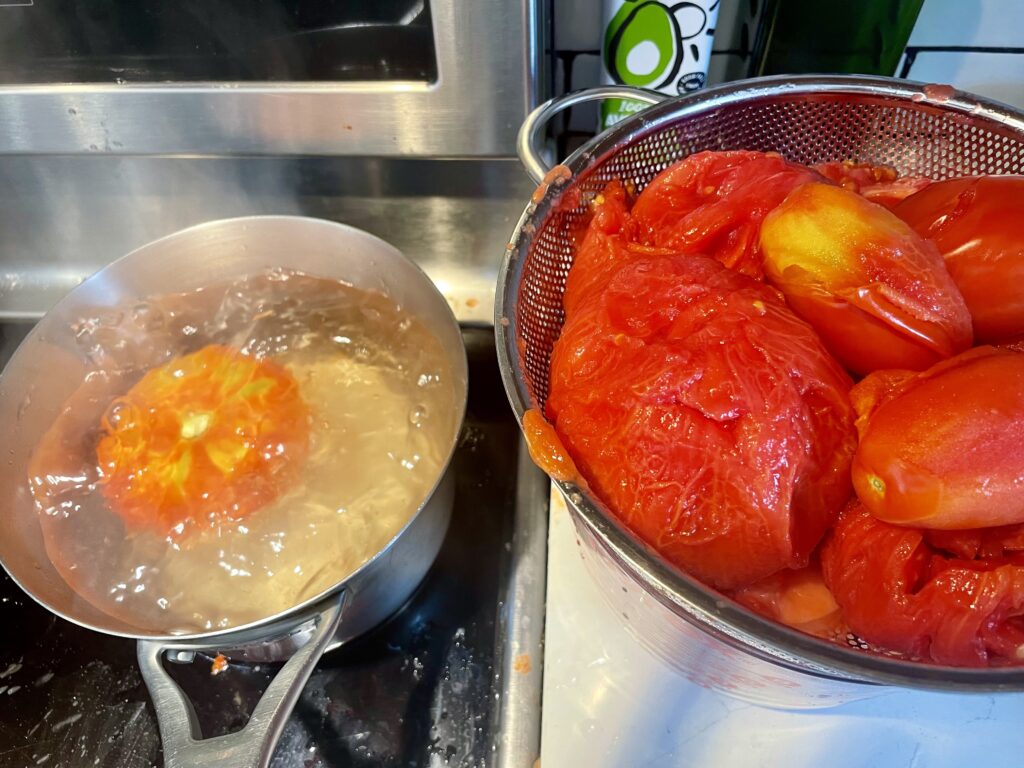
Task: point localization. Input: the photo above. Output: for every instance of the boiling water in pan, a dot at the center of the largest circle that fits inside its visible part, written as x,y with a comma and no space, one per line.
381,415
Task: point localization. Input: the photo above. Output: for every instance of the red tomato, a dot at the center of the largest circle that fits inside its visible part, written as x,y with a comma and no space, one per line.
605,246
799,599
901,593
204,437
978,542
712,203
976,224
706,415
944,448
1015,345
877,293
878,183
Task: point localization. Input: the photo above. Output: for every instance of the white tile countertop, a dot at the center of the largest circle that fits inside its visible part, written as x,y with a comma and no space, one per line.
610,703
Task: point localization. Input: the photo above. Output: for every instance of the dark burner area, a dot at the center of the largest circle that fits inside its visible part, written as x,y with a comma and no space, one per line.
419,690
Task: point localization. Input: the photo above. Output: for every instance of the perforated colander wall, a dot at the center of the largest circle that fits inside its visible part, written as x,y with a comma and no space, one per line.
931,132
915,137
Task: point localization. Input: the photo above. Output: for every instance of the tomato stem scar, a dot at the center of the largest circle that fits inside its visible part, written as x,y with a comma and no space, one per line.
877,484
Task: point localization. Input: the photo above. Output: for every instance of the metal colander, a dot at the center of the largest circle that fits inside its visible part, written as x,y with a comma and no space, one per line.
919,130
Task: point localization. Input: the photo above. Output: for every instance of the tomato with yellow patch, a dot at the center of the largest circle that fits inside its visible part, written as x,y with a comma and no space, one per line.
877,293
210,436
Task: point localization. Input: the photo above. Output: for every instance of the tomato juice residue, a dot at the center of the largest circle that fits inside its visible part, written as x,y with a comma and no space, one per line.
546,448
557,175
219,664
797,598
522,664
571,200
938,92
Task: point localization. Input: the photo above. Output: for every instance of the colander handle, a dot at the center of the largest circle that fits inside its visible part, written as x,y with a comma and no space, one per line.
528,142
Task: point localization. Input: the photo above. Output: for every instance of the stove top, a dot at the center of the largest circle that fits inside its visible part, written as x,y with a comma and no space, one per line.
430,687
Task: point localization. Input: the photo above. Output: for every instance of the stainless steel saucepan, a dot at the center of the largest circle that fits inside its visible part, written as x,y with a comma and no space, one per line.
49,367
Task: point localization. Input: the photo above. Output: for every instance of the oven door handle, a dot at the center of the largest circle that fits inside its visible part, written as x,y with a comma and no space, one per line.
252,746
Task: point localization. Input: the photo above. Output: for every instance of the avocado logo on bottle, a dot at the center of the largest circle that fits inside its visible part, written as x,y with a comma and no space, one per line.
662,46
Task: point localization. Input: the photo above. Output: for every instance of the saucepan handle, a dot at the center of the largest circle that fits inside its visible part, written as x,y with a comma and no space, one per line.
253,746
528,144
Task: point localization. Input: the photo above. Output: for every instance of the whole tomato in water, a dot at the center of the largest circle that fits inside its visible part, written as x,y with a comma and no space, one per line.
877,293
976,224
944,448
210,436
712,204
900,590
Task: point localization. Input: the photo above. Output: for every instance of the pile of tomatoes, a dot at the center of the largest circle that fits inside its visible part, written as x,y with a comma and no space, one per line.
805,386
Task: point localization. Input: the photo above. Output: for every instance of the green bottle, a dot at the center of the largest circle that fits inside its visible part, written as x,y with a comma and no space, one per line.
832,36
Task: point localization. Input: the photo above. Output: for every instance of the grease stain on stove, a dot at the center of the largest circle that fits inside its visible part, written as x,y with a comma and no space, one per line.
92,703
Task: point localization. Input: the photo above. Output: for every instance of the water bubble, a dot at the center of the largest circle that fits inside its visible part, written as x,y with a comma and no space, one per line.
417,415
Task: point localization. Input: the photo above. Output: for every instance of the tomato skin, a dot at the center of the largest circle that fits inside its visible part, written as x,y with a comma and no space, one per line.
546,449
976,224
899,592
878,294
971,544
878,183
707,416
944,448
712,204
602,248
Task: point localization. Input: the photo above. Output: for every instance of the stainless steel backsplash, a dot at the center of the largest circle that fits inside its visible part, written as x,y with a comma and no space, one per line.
62,217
